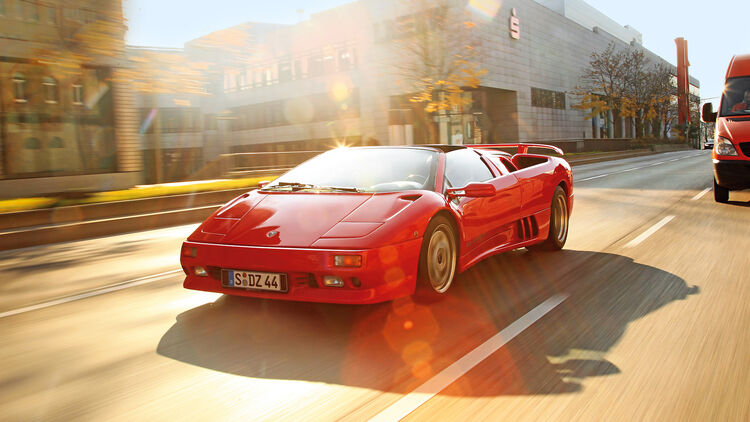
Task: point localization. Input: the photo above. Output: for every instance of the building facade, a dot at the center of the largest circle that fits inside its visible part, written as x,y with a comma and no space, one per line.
65,124
338,79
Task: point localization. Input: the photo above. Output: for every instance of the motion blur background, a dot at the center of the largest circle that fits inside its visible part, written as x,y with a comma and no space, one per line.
81,110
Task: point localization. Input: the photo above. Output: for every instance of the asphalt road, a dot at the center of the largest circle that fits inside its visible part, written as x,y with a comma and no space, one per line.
643,316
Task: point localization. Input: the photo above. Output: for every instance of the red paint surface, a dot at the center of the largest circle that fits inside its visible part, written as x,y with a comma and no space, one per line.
385,228
732,128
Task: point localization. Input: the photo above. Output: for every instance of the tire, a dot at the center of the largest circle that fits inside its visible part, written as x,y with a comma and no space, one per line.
720,194
438,257
559,218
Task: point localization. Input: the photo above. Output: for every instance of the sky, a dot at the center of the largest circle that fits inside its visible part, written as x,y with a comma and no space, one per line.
715,30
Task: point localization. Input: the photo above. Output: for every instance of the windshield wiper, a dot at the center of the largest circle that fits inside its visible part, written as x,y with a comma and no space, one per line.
338,188
291,185
295,186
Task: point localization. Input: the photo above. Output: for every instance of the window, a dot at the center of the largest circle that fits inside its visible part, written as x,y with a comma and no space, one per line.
464,166
345,60
547,99
18,9
30,11
211,122
285,71
56,142
32,143
315,65
383,31
19,88
404,26
733,99
329,62
502,164
49,86
51,14
77,93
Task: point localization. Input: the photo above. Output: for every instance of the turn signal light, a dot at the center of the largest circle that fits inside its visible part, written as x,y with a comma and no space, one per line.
189,251
347,260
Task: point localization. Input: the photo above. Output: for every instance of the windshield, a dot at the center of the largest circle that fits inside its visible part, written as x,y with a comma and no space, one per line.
363,170
736,98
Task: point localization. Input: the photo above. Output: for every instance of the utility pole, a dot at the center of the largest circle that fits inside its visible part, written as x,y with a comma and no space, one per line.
683,85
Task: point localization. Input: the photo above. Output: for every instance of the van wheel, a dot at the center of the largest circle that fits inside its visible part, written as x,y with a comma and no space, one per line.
721,194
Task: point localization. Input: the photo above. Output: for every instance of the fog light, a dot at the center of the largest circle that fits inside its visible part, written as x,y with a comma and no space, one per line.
191,252
333,281
200,272
347,260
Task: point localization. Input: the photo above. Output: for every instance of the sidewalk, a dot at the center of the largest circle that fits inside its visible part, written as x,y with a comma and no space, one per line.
61,224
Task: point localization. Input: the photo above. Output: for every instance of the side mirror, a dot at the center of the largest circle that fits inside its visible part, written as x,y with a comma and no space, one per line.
263,184
473,190
707,113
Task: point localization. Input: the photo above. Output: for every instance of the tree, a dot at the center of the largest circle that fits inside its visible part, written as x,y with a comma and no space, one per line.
663,96
604,83
442,55
627,84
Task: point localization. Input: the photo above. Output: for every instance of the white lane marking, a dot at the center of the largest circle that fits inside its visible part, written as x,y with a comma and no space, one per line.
595,177
645,235
636,168
96,292
447,376
700,195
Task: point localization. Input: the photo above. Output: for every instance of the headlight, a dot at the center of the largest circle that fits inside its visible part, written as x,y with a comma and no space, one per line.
723,146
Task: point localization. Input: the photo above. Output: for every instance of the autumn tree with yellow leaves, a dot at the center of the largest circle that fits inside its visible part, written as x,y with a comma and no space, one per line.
440,55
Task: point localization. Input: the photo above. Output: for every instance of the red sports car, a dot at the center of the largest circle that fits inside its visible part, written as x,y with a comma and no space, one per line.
370,224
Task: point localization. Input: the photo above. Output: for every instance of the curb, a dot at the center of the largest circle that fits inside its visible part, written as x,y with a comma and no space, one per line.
81,213
35,236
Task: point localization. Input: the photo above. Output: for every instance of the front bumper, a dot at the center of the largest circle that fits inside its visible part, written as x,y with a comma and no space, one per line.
732,174
386,273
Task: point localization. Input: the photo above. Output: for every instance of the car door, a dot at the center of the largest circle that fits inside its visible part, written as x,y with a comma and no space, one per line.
486,222
533,177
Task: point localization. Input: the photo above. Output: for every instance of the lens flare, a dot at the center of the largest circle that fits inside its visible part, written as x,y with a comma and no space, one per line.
487,9
147,121
339,91
94,98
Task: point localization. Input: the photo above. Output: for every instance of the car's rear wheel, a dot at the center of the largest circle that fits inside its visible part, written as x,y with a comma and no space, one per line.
720,194
559,219
437,260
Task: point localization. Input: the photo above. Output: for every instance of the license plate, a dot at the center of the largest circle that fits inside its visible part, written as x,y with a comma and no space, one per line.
255,280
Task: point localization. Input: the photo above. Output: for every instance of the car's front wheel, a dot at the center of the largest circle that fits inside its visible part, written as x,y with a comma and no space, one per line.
437,260
720,194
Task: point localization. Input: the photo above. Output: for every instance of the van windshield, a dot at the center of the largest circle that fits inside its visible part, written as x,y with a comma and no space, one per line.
736,98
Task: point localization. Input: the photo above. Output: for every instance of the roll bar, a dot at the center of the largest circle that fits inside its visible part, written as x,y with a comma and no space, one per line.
520,148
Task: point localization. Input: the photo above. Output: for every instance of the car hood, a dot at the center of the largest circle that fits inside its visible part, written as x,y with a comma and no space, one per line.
298,219
735,128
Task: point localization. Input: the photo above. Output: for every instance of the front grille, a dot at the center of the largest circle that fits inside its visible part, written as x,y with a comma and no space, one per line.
745,148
